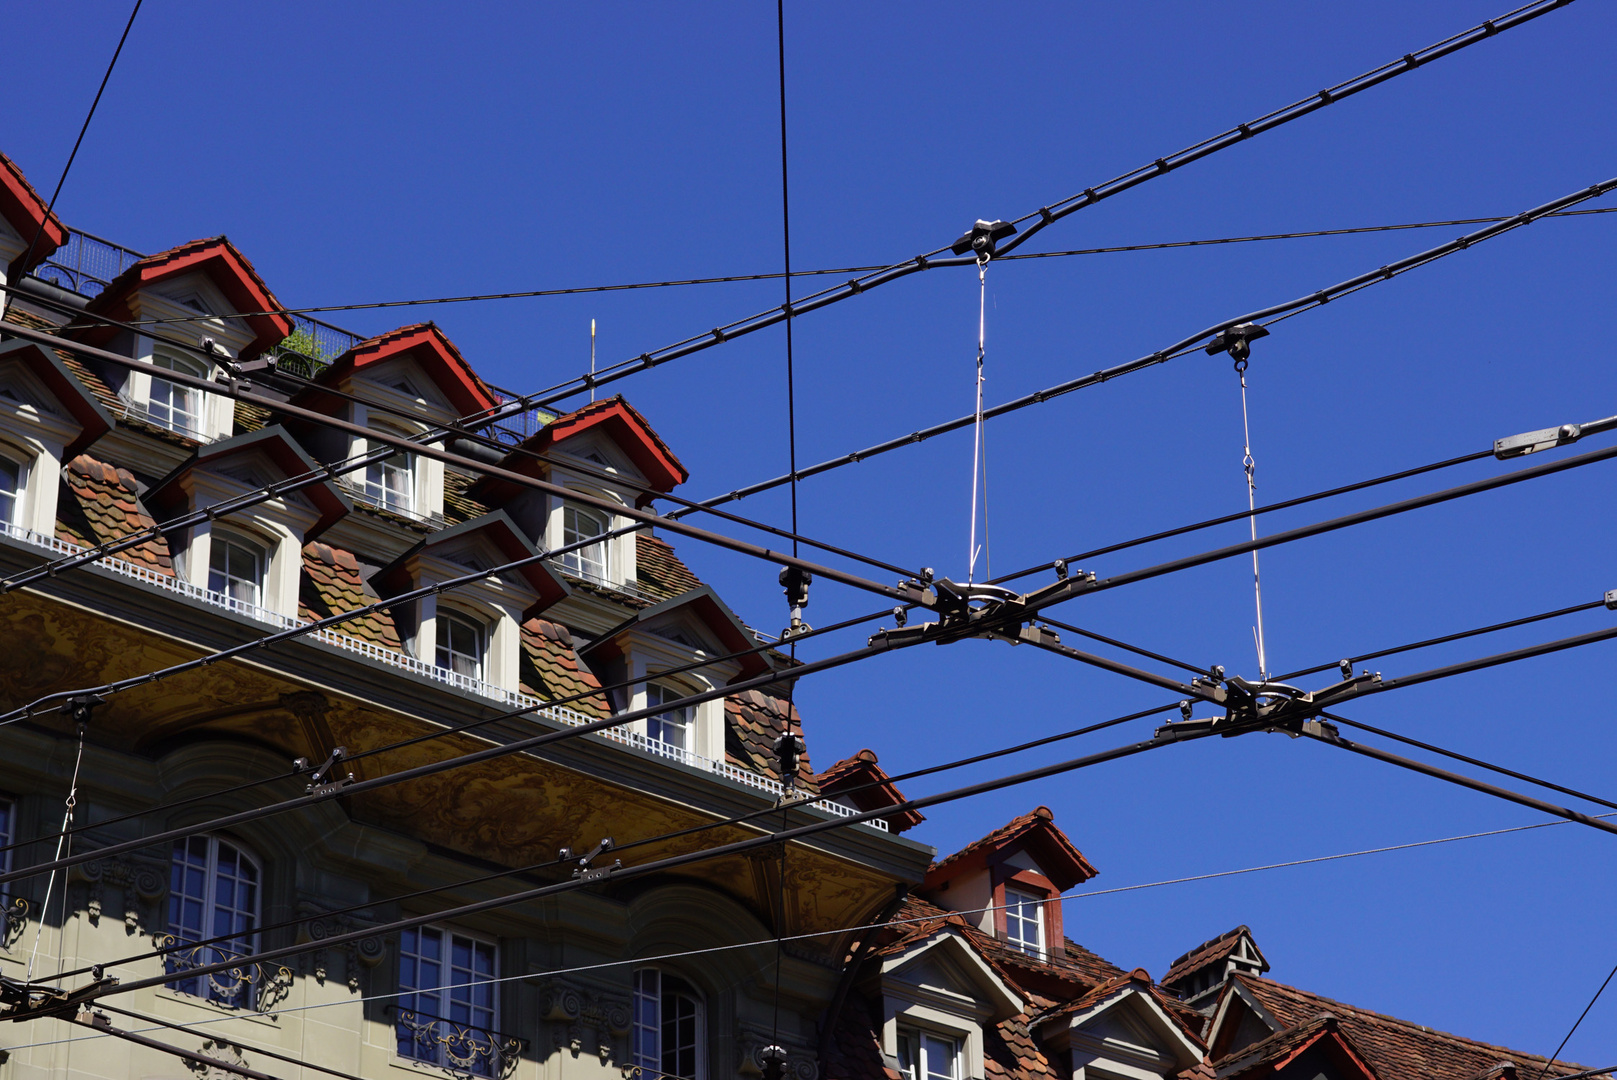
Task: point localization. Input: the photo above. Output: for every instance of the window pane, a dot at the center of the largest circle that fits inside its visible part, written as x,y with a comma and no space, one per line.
674,728
579,525
10,490
940,1058
235,568
459,645
213,892
647,1035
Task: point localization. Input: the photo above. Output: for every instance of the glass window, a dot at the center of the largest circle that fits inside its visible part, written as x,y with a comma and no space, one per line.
578,525
178,408
675,728
7,828
390,483
923,1055
446,1007
1024,921
236,569
460,645
668,1026
13,478
212,892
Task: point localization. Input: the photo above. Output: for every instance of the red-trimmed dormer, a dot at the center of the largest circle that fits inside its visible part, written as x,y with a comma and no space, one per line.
408,381
47,417
859,783
605,450
24,215
217,295
1010,882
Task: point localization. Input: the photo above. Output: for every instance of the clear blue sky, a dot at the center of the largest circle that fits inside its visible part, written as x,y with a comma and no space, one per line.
368,151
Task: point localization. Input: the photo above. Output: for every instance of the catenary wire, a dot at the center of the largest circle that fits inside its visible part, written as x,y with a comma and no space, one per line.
1165,245
1187,345
661,838
50,208
303,1062
1578,1023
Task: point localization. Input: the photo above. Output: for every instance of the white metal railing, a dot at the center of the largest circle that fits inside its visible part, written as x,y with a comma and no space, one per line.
360,494
405,662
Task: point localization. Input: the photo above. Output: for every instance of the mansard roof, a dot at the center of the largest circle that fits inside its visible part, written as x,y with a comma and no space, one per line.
868,787
1394,1048
25,212
499,530
79,401
618,421
1037,834
423,343
280,449
1210,952
228,270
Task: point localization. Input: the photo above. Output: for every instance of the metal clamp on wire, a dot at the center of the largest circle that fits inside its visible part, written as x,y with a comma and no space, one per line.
584,872
983,238
796,581
1237,341
318,780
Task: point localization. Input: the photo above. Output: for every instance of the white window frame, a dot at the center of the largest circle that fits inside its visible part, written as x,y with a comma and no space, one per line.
221,580
195,400
679,721
913,1045
649,1022
443,648
205,986
438,1003
19,493
594,562
390,484
1017,920
8,831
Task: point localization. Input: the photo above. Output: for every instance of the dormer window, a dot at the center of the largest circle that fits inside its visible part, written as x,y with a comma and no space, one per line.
579,526
1024,921
675,728
461,645
169,405
236,571
925,1056
13,482
390,483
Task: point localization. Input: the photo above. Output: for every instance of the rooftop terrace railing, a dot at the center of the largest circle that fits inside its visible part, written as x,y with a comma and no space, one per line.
404,662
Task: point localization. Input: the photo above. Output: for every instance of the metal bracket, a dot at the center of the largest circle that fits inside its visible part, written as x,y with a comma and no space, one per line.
1531,442
318,784
27,1001
79,708
583,871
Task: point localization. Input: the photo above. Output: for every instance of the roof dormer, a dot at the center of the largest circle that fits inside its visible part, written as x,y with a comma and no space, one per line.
1199,975
46,418
859,783
1120,1028
23,216
1010,882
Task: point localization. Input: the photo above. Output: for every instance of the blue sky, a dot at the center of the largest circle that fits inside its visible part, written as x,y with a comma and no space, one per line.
362,152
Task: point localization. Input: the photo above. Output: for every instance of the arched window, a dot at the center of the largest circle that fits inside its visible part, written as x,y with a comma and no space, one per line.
236,570
446,1012
675,728
178,408
213,892
669,1035
461,645
577,526
13,482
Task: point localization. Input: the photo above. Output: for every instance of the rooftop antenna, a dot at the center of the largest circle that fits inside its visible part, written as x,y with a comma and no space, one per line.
592,361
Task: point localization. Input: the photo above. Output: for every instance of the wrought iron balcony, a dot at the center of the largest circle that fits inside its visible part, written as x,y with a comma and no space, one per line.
457,1046
255,986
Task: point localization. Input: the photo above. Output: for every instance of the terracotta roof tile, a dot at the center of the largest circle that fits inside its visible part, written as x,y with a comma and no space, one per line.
550,668
753,720
1396,1049
868,787
658,571
853,1050
100,503
458,505
250,418
1207,952
1065,867
332,585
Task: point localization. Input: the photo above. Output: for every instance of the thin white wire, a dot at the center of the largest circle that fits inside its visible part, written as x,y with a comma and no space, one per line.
62,842
850,929
1250,466
977,427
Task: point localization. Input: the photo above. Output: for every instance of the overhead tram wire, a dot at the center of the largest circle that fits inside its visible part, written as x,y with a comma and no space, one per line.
1189,344
454,430
50,208
1048,214
663,838
1166,245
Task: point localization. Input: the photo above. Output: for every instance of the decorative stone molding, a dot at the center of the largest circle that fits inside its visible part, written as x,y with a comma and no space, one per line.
219,1050
357,955
802,1063
15,920
142,883
582,1020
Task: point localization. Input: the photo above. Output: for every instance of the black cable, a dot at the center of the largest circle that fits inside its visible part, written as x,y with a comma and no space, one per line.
1576,1024
201,1062
171,1025
1445,639
1068,253
1190,344
1147,653
1500,769
85,127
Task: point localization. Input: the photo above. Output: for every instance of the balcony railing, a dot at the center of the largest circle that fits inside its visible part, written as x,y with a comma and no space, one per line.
402,661
457,1046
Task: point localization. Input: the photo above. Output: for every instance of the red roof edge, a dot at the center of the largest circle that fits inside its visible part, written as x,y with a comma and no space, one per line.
868,787
428,346
1034,832
22,207
622,423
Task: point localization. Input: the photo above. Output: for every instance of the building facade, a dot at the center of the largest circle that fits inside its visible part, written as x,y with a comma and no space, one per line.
853,950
